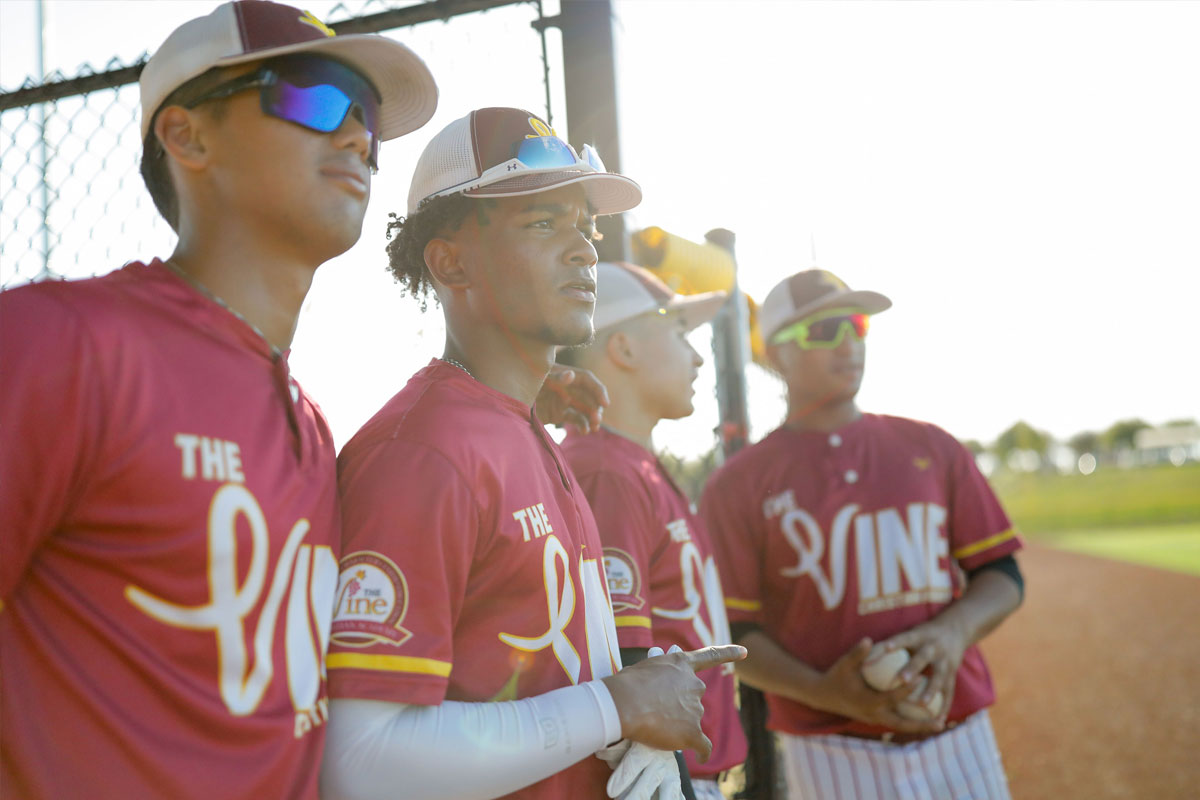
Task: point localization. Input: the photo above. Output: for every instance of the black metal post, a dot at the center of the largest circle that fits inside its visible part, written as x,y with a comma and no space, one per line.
590,80
731,348
731,353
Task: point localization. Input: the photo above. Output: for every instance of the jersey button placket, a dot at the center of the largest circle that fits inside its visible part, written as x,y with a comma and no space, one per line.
548,445
289,392
845,474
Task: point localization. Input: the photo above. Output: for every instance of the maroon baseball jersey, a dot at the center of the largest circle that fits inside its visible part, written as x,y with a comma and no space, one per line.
661,575
170,528
472,567
824,538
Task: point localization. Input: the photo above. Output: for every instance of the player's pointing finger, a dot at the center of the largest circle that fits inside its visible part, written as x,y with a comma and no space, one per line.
707,657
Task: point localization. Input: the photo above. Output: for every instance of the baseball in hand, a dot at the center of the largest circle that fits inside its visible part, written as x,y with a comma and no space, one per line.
911,708
881,670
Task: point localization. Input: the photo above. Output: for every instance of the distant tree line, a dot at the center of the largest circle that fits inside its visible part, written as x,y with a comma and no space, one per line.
1103,445
1013,446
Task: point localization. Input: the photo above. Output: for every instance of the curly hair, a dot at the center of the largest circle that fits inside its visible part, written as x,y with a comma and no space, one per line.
407,237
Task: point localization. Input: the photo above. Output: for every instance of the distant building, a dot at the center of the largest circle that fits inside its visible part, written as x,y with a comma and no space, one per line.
1167,445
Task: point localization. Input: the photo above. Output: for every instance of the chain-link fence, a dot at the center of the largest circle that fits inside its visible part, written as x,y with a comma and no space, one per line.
72,202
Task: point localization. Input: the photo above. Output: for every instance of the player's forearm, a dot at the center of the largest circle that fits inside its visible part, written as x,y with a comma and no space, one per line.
990,597
769,668
376,749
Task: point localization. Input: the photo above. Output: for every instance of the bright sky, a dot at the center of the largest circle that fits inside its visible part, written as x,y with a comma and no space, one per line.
1023,180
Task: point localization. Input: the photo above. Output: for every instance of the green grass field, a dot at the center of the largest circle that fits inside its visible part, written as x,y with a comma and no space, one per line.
1174,547
1108,498
1149,515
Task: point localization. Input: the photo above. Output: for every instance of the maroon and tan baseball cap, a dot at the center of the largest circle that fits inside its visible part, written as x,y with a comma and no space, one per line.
249,30
813,290
502,152
625,291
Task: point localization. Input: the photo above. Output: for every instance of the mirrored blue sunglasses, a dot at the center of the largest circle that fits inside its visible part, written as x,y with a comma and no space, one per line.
314,92
549,152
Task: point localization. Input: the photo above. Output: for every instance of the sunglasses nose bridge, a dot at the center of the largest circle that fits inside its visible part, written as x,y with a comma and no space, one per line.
848,335
355,130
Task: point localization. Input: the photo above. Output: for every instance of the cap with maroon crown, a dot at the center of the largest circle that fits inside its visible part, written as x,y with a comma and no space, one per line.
501,152
812,290
250,30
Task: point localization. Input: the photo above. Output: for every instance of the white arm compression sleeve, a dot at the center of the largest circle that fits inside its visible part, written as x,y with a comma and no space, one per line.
461,751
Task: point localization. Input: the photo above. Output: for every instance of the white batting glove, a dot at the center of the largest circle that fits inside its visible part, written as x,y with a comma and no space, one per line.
645,773
641,772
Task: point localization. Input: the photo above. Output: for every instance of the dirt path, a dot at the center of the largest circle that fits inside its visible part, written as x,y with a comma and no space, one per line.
1098,678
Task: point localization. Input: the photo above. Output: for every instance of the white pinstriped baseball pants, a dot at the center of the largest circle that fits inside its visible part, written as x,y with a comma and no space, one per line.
961,764
706,790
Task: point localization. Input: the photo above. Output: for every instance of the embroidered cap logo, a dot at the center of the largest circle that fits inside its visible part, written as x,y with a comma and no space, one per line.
310,19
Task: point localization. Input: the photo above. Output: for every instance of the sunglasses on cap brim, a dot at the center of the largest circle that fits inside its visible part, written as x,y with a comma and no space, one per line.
824,331
314,92
541,153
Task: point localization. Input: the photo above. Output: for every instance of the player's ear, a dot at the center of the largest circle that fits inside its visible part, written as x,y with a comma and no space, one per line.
443,258
179,132
622,350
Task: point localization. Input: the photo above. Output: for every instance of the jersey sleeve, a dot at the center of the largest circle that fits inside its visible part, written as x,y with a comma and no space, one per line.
410,526
631,536
51,412
736,547
980,530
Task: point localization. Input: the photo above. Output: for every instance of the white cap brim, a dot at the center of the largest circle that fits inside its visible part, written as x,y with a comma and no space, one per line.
697,309
867,302
693,309
607,192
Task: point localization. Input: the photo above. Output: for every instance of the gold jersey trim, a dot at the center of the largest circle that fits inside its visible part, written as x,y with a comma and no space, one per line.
743,605
381,663
984,544
632,621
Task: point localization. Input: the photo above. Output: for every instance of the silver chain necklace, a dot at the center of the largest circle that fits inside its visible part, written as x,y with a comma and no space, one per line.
458,364
204,290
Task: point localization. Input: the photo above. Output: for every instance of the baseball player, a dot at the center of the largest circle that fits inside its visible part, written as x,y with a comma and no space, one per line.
661,575
843,537
474,652
167,490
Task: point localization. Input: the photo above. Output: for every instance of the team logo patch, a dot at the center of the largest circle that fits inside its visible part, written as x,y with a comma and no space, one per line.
372,599
624,581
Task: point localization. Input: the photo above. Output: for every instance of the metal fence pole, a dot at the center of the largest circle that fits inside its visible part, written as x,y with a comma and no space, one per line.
590,78
44,191
731,354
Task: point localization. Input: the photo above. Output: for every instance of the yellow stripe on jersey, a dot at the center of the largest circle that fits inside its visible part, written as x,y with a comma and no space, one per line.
420,666
984,544
742,605
632,621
